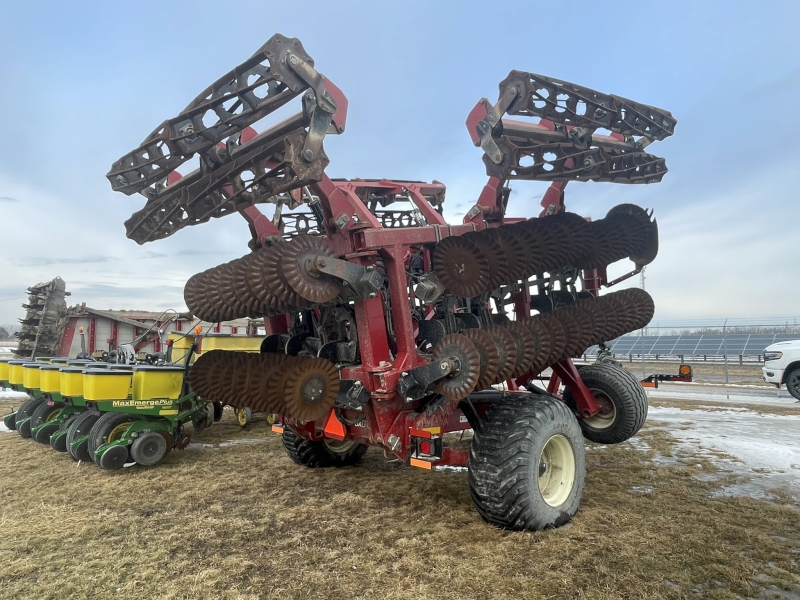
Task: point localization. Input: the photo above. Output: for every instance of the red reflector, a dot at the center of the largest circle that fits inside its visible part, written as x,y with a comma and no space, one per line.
425,447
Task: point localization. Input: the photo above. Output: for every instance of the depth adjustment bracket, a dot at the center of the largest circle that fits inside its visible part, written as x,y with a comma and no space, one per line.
414,384
366,282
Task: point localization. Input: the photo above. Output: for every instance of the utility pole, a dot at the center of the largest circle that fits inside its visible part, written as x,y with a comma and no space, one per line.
725,348
643,330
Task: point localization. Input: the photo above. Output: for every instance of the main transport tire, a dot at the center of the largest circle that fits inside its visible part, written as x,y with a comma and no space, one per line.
42,415
622,400
527,464
793,382
81,426
108,428
25,411
326,453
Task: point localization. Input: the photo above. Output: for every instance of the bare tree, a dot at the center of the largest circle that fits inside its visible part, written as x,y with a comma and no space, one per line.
9,329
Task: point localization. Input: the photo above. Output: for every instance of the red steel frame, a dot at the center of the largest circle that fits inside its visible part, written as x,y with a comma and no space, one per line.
358,236
389,420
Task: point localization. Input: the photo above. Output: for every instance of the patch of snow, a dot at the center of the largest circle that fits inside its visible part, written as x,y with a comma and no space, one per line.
764,447
199,446
452,468
9,394
3,428
245,441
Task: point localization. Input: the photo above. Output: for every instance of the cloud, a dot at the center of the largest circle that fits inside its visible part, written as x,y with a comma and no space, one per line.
42,261
8,199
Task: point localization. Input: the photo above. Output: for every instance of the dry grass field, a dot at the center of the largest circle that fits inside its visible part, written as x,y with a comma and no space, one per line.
241,521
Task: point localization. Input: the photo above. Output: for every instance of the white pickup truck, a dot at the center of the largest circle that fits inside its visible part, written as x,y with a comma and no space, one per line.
782,365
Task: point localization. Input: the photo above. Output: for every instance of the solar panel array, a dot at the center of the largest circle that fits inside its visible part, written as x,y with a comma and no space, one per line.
696,344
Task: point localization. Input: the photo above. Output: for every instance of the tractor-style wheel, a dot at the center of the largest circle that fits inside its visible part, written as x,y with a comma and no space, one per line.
80,427
325,453
149,448
25,412
527,464
622,400
44,414
793,382
109,428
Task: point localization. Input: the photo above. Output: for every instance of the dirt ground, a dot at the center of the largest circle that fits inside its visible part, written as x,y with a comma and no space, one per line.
233,517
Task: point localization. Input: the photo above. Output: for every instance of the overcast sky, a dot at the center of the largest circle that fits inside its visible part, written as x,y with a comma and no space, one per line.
85,82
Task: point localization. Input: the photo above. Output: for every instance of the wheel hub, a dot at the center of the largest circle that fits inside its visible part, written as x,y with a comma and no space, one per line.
556,470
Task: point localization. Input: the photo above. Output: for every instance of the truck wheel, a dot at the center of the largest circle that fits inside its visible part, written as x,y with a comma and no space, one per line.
42,415
109,428
527,464
793,382
25,412
325,453
622,400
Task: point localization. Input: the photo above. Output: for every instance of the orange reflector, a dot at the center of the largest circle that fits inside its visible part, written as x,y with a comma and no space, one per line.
422,464
650,384
277,429
423,433
198,329
685,370
334,428
434,430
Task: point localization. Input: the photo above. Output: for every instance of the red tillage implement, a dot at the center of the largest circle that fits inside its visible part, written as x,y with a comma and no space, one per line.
389,327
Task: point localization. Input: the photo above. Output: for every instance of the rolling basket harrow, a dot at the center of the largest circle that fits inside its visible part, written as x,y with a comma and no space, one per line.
386,325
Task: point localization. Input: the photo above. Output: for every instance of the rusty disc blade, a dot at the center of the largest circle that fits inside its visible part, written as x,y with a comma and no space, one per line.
526,347
647,228
311,388
314,288
558,339
190,291
260,285
462,380
275,281
542,334
513,249
508,351
489,356
228,289
493,252
585,329
461,267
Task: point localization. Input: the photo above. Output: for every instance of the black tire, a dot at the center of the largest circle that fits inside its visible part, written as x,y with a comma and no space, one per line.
622,399
82,425
323,453
149,448
527,464
10,421
25,411
39,417
793,382
60,444
101,430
